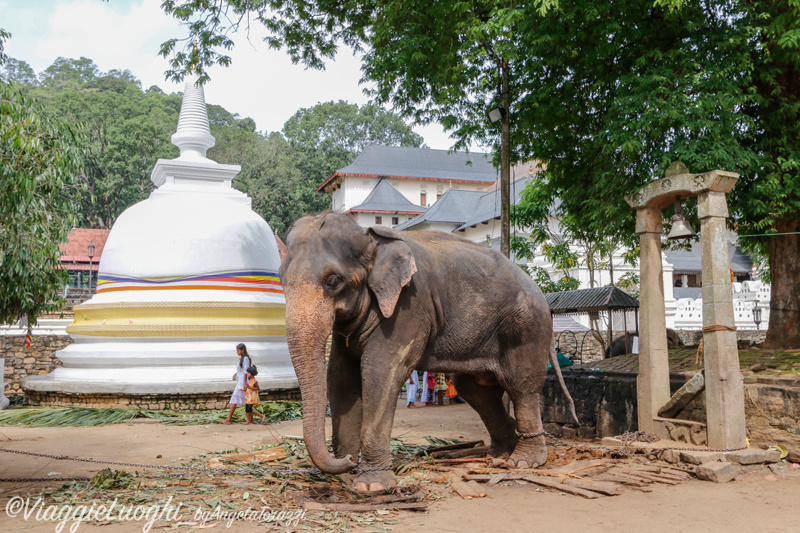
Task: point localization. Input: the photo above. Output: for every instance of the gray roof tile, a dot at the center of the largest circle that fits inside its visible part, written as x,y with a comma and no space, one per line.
453,207
419,163
385,198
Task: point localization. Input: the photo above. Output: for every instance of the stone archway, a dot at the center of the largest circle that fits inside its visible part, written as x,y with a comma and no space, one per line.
723,379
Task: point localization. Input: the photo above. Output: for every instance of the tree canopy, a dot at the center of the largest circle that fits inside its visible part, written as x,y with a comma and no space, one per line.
40,157
330,135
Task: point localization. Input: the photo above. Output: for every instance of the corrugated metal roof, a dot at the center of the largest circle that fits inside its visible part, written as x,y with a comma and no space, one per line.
420,163
453,207
585,300
385,198
565,323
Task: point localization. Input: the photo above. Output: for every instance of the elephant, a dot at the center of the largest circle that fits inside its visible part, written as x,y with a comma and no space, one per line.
617,346
396,301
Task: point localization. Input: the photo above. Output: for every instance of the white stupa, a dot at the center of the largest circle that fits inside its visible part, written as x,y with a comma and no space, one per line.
185,276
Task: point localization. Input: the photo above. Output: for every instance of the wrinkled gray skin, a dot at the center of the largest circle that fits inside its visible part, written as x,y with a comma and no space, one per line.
402,301
617,346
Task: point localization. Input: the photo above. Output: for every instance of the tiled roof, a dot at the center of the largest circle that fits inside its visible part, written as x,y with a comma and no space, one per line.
419,163
386,199
596,299
453,207
689,261
76,249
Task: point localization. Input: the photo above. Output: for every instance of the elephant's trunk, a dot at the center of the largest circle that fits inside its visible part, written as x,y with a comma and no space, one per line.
309,320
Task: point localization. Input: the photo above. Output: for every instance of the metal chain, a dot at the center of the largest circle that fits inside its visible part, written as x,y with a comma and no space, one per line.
235,471
38,479
537,434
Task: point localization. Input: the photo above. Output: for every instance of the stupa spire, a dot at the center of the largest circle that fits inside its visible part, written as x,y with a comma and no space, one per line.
194,135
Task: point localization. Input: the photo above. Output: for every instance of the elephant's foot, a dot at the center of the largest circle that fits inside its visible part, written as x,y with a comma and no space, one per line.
501,449
529,453
375,480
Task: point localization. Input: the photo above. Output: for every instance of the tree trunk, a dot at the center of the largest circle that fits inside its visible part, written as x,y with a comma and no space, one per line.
784,306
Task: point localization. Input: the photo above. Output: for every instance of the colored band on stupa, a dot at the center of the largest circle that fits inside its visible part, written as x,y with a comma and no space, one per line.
258,281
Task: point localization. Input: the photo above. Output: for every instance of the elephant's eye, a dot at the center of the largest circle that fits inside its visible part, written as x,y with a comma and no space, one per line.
332,282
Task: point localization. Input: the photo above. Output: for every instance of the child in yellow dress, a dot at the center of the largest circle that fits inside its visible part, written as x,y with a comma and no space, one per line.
251,395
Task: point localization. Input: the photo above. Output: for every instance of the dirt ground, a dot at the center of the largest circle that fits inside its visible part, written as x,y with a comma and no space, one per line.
758,500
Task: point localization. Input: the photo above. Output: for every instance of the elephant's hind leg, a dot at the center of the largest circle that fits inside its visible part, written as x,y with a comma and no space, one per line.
487,400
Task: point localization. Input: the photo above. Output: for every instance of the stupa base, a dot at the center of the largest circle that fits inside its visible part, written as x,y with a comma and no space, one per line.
178,374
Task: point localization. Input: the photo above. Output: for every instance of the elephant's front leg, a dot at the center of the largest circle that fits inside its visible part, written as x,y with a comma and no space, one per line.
344,391
383,378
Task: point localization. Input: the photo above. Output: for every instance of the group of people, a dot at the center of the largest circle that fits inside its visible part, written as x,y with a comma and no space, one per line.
435,386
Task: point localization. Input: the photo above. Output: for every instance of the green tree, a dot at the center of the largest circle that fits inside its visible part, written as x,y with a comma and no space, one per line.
17,72
128,131
81,71
330,135
40,157
269,175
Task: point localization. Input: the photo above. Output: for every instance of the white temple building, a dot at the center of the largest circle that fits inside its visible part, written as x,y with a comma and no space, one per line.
185,276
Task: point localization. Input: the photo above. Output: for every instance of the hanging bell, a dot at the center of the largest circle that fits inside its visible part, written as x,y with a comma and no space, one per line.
681,229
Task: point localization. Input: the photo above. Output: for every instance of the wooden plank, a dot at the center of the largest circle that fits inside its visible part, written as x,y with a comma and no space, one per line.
363,507
435,449
478,451
607,488
651,477
465,489
550,483
269,454
630,480
497,478
578,466
681,475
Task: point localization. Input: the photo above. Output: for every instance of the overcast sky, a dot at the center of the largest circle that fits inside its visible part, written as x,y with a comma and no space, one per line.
125,34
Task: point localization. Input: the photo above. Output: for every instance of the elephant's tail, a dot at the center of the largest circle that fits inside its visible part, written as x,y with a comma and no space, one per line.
557,370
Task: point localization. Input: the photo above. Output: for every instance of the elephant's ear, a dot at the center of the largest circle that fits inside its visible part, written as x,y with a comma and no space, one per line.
392,268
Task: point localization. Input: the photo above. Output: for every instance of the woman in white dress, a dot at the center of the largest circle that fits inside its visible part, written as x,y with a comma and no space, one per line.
237,398
412,384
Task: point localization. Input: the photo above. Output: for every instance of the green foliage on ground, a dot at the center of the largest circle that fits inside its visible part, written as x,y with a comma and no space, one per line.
277,411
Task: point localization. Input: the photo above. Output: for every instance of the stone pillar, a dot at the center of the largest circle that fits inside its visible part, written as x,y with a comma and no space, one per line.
652,383
724,382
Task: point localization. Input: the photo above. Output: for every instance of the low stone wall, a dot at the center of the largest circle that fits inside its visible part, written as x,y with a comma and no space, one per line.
156,402
691,337
37,360
581,346
606,406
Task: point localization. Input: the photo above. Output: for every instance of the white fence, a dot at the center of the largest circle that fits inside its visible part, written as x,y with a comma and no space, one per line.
746,295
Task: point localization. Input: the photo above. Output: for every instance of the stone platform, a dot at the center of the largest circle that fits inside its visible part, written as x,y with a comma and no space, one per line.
605,400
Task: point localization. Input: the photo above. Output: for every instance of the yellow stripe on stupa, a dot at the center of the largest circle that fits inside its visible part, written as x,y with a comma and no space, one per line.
180,319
